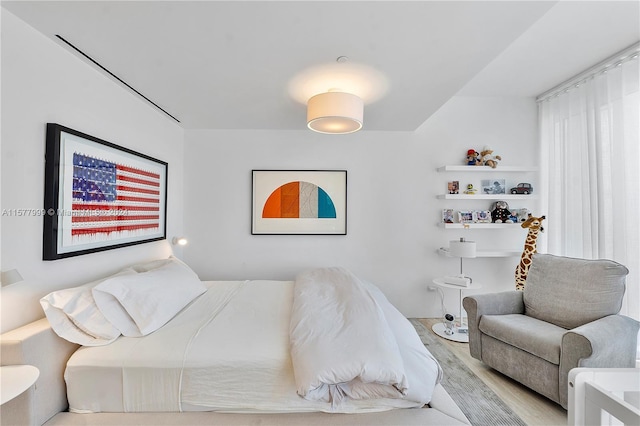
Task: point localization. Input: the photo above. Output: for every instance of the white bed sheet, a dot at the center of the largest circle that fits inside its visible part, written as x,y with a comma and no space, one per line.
226,351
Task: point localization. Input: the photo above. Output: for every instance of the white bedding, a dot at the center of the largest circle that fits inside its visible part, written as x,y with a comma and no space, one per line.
226,351
348,341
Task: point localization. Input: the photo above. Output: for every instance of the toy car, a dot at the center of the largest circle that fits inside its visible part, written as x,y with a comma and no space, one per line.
522,188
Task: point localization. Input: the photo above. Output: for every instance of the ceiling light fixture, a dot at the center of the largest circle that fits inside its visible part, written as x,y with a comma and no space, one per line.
339,110
335,112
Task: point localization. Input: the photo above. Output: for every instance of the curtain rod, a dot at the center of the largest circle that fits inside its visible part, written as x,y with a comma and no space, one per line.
629,53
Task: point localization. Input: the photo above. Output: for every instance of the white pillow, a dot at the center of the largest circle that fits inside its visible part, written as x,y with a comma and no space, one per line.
117,313
140,304
74,316
153,264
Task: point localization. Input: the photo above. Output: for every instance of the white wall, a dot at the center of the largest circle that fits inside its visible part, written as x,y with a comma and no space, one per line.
392,207
42,82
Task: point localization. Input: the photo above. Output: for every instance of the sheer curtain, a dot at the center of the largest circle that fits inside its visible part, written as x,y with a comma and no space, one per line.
590,163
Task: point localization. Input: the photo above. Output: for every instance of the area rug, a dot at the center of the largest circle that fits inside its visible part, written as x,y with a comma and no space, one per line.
476,400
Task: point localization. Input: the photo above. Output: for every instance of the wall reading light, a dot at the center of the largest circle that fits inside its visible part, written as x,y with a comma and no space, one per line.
180,241
10,277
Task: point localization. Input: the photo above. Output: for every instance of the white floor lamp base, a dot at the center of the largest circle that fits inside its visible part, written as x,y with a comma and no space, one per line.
439,329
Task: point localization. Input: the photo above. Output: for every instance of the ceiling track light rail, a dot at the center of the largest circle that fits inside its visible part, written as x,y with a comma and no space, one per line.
114,76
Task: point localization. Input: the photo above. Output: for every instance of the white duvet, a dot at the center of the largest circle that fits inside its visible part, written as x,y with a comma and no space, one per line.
226,351
349,343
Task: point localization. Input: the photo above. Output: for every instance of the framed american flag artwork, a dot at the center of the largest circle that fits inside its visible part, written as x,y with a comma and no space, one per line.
99,196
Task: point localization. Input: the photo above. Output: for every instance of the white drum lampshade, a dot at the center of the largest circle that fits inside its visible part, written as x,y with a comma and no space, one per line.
462,248
335,113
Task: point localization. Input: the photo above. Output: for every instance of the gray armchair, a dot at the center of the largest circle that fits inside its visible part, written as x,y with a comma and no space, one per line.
566,317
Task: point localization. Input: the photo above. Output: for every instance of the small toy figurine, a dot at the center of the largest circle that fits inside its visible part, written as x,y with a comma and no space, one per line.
472,157
522,188
488,159
500,212
470,190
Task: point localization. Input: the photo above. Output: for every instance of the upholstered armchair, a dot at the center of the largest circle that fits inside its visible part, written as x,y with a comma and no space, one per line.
566,317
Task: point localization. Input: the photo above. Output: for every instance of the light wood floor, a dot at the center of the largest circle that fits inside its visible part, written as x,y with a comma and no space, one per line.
533,408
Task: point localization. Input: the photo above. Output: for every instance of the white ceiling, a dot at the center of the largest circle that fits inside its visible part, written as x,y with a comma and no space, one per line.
230,64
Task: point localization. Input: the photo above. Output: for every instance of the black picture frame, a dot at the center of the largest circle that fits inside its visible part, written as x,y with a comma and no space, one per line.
99,196
322,198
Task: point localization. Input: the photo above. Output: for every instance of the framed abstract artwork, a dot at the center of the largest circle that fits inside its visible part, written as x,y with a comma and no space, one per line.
99,196
299,202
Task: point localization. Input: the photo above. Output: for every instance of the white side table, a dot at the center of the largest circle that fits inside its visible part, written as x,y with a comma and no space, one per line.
15,379
440,328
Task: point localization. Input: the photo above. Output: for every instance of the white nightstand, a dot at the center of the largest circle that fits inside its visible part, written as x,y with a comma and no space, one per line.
15,379
440,328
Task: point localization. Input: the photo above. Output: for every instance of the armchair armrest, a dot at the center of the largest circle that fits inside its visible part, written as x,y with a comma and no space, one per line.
509,302
609,342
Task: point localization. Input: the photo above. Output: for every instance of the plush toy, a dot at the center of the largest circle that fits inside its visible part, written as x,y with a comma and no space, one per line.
500,212
488,159
472,157
534,224
523,214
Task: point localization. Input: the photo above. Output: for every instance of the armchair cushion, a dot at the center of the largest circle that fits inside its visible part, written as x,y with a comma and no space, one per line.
508,302
571,292
536,337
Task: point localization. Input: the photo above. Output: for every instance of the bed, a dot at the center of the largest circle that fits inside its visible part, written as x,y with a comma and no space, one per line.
325,348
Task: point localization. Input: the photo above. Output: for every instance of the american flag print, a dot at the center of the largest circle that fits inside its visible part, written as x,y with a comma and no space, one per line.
112,199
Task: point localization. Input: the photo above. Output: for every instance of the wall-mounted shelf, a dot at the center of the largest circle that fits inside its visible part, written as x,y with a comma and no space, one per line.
485,197
480,225
486,253
475,174
485,169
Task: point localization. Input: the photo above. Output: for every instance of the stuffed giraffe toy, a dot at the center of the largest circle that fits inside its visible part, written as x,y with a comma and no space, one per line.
535,227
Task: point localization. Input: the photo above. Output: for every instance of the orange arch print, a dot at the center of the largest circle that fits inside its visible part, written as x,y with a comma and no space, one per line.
298,200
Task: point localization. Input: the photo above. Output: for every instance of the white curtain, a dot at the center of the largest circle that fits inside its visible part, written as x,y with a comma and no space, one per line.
590,169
